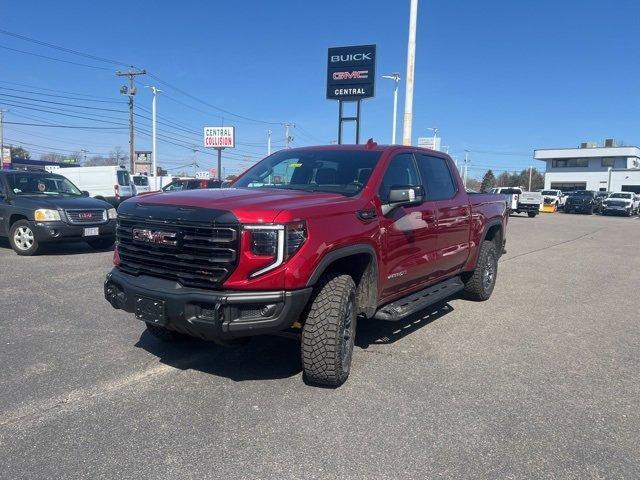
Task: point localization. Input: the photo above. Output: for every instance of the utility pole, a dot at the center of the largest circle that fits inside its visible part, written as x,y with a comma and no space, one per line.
154,158
269,142
2,138
396,78
288,138
411,60
130,91
435,136
530,169
84,155
466,168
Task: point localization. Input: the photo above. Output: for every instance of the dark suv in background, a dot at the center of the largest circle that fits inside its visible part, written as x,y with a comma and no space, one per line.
40,207
582,201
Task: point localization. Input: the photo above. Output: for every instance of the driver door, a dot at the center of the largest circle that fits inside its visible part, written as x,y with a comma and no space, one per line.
408,233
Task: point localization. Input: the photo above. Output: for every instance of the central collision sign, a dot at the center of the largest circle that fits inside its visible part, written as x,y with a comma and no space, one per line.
351,72
219,137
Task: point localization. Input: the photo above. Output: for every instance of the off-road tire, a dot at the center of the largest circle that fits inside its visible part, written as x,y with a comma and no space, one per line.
531,214
27,246
479,284
329,331
101,243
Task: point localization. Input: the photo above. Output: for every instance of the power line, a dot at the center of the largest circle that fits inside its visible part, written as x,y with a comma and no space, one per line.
61,103
65,114
58,91
65,126
61,96
53,58
63,49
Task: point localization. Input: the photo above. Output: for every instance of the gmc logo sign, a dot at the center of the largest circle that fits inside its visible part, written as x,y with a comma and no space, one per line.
155,236
358,74
85,215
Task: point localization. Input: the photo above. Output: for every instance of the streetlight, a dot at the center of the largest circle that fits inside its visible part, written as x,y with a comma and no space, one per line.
435,135
396,78
154,155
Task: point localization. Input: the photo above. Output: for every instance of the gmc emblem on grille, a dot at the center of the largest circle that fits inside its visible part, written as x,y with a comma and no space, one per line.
85,215
155,236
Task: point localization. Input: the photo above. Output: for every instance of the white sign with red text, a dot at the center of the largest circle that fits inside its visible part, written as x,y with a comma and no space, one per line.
219,137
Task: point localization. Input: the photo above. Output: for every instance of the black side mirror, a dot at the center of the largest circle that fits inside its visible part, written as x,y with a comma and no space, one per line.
85,193
403,196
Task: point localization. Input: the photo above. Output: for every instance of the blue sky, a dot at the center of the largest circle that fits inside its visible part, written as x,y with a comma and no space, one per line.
499,78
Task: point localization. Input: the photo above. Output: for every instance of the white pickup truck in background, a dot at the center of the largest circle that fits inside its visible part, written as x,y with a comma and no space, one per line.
554,197
520,201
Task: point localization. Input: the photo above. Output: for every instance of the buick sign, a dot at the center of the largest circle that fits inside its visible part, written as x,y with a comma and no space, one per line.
351,72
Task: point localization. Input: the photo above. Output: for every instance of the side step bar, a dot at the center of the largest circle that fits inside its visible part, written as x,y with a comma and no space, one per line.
415,302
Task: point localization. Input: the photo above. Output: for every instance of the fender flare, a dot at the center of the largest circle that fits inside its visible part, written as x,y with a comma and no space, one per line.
339,253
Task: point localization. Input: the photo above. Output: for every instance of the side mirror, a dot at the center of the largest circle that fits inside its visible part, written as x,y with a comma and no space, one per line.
403,196
85,193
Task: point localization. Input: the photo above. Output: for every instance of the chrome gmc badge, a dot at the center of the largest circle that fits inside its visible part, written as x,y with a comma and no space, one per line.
156,237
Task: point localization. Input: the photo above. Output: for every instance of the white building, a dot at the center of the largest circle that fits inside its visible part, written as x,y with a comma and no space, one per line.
591,167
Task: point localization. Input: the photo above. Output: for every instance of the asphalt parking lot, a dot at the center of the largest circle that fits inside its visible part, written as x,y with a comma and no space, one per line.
541,381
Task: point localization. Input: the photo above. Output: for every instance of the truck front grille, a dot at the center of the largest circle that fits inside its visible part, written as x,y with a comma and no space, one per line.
195,254
87,216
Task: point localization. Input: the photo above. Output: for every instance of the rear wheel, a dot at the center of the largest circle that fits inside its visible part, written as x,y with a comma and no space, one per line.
329,331
22,239
479,284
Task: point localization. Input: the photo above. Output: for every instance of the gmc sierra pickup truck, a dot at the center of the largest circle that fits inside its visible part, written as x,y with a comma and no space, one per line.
309,240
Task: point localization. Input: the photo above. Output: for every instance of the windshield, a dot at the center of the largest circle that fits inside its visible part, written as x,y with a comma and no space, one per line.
620,195
585,193
30,183
338,171
552,193
141,181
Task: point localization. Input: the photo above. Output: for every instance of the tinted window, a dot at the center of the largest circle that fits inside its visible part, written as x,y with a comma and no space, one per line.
436,177
401,171
123,178
340,171
141,181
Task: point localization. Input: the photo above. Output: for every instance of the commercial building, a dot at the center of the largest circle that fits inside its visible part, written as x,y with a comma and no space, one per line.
592,167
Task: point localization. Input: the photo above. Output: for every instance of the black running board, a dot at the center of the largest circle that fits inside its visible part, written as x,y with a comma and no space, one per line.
415,302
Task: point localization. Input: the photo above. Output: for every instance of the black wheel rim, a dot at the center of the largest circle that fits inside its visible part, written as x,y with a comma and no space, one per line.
346,347
489,273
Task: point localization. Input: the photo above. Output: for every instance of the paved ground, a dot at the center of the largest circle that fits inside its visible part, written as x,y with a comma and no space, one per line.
541,381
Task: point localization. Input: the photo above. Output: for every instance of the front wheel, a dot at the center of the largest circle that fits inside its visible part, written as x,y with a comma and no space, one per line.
479,284
101,243
22,239
329,331
531,214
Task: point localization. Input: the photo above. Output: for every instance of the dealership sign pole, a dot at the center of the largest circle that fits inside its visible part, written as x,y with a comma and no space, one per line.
351,73
219,138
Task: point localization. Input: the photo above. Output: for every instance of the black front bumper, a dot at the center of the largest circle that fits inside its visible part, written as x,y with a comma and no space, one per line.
61,231
580,207
207,314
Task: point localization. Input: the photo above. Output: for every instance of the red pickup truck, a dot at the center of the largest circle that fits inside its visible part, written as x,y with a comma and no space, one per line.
309,240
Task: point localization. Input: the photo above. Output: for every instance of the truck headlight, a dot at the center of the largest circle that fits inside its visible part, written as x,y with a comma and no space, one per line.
276,241
46,215
112,213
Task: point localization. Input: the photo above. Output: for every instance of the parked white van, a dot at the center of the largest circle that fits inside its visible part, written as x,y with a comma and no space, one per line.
110,183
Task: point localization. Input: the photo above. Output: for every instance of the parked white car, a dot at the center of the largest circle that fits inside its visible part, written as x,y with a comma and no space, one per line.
110,183
627,203
520,201
553,197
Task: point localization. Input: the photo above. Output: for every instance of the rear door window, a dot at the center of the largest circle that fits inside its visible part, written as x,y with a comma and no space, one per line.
123,178
436,177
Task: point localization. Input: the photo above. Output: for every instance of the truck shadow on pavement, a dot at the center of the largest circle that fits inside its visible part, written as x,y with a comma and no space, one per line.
60,249
378,332
274,357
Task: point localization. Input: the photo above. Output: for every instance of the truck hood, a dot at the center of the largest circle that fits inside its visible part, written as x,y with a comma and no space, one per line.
60,202
249,205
